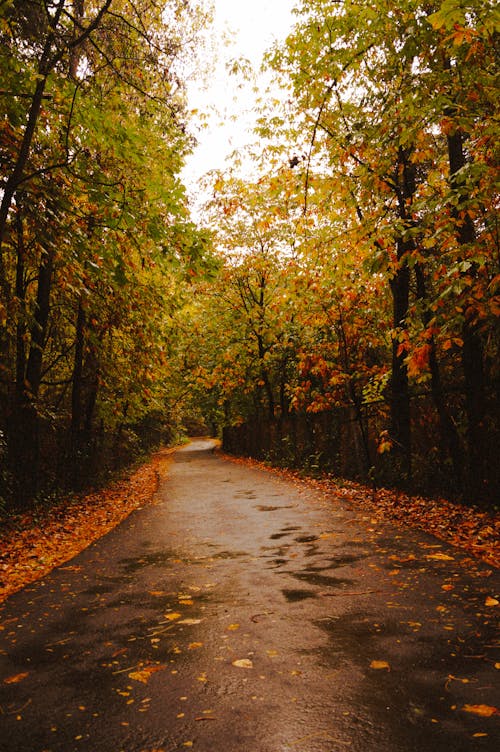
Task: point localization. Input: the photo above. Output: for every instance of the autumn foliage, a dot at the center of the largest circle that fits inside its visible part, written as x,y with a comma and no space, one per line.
355,327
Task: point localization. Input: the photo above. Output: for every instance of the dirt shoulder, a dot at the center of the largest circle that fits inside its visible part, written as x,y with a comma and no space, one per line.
32,544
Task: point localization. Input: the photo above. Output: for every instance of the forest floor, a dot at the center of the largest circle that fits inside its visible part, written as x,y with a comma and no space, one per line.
33,543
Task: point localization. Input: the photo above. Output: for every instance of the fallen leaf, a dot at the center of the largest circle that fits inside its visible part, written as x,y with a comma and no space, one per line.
233,627
380,665
194,645
491,601
144,674
243,663
16,678
483,710
173,617
440,557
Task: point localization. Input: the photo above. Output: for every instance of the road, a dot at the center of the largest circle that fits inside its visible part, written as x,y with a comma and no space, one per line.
240,612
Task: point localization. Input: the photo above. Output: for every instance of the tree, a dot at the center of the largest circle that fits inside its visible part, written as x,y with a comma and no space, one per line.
94,226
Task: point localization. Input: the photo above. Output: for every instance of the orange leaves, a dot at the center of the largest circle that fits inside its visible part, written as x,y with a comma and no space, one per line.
380,665
384,443
16,678
485,711
33,544
419,360
490,601
145,673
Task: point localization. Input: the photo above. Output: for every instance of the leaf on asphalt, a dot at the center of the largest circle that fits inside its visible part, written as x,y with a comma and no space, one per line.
380,665
483,710
490,601
243,663
173,617
144,674
440,557
16,678
233,627
194,645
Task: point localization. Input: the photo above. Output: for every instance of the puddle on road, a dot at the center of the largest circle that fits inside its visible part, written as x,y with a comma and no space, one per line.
264,508
293,596
322,580
160,558
306,538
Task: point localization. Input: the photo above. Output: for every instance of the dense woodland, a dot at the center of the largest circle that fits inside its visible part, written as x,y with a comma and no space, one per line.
338,309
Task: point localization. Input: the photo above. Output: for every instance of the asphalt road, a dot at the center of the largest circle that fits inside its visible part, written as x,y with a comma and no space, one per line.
239,612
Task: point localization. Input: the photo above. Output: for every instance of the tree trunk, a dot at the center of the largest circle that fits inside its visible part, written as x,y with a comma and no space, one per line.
24,434
472,349
77,378
400,431
449,435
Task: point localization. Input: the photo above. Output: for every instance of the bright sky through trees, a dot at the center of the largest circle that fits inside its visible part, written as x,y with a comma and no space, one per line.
242,30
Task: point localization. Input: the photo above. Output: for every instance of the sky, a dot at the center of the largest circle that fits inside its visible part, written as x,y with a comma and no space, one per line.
251,27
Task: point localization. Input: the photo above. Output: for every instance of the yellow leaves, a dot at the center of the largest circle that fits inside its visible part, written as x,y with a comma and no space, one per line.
173,617
440,557
16,678
380,665
195,645
243,663
485,711
233,627
490,601
144,674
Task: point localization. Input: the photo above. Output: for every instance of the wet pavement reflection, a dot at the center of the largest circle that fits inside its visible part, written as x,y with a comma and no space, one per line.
240,612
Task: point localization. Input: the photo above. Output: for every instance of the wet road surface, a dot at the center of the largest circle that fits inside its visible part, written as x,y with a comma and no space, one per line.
239,612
